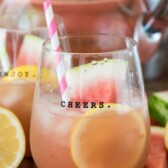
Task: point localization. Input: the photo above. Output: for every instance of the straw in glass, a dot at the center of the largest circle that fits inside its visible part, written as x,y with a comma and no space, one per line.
56,46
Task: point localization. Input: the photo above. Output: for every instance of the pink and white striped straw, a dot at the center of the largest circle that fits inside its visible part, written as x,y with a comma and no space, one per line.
56,46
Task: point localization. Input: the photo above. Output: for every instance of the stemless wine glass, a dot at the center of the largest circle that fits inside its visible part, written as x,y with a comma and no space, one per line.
20,49
100,119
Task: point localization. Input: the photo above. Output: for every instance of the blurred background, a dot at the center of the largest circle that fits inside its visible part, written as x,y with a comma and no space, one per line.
144,20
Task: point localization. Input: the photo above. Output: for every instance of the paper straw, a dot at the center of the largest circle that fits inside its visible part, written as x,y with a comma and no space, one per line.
56,46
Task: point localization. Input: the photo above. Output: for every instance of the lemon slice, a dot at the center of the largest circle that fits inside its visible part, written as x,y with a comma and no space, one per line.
22,72
113,136
30,72
166,135
12,140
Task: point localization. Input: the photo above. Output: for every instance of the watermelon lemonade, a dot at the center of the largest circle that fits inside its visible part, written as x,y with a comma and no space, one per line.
18,69
104,123
17,96
20,47
95,137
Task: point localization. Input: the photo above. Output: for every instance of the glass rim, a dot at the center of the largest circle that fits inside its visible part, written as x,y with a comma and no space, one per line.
18,30
49,49
8,29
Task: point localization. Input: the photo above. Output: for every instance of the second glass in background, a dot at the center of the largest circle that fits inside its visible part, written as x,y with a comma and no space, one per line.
20,48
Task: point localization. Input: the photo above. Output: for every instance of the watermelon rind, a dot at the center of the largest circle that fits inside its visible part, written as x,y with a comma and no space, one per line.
158,130
158,107
117,66
31,39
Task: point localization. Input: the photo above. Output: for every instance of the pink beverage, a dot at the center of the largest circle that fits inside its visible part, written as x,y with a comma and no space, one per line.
21,43
55,143
104,121
17,95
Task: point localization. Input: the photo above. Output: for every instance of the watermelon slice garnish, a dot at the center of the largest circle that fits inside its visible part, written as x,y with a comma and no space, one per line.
100,82
157,157
30,50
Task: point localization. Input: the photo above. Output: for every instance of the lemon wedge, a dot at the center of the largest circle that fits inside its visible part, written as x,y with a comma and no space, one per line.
12,140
